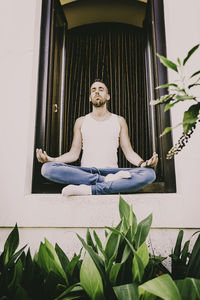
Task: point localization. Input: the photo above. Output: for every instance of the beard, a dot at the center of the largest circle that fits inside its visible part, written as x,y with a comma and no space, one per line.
98,102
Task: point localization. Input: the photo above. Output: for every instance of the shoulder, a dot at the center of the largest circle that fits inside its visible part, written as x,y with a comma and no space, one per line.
121,121
79,122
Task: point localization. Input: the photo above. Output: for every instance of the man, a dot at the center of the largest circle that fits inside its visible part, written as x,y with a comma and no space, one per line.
99,134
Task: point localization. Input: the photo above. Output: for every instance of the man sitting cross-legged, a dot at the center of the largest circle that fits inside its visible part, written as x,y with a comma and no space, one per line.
99,135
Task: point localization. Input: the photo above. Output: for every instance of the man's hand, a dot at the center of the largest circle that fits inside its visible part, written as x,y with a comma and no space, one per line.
42,156
152,162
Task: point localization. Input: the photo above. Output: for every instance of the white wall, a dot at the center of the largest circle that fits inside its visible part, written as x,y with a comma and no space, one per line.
54,216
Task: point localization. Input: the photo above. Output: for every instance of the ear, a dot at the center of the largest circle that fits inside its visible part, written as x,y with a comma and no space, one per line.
90,98
108,97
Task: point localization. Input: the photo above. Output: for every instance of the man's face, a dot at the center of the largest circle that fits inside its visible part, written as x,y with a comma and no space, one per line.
99,94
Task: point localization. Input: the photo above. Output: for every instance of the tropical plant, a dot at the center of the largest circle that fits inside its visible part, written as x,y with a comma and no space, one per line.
178,92
121,268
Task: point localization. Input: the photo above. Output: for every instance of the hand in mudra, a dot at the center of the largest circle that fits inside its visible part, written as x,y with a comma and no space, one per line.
152,162
42,156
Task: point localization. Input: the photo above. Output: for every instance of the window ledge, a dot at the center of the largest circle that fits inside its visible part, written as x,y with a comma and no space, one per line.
54,210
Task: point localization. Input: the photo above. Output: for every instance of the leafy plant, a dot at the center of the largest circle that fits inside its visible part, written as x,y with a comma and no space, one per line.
185,263
120,268
181,91
123,263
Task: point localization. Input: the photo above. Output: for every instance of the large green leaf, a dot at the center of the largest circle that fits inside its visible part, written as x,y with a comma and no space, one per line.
185,252
62,257
193,269
52,252
127,292
163,287
128,216
112,245
18,270
98,241
189,288
90,279
190,53
114,271
140,261
168,63
89,240
72,291
11,244
190,117
142,231
177,249
73,264
46,261
95,257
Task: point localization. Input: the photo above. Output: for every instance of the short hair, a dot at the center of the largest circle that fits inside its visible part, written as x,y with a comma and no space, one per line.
99,80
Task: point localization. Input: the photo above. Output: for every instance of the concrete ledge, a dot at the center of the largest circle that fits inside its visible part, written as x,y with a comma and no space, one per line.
54,210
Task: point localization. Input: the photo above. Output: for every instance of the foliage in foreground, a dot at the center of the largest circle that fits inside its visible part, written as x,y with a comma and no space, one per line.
122,268
178,92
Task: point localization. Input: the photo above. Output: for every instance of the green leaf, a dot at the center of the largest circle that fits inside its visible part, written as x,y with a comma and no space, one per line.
163,99
190,117
98,241
189,288
143,231
128,216
114,271
170,105
62,257
127,292
140,261
183,98
11,244
90,241
190,53
194,74
193,269
90,279
163,287
48,263
126,253
177,249
15,256
18,269
179,61
185,253
73,264
167,85
168,63
95,257
52,252
75,289
192,85
112,245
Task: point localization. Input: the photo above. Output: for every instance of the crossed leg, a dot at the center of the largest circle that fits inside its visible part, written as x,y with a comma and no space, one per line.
87,181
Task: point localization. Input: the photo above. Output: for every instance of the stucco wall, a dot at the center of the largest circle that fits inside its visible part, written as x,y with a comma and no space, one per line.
51,215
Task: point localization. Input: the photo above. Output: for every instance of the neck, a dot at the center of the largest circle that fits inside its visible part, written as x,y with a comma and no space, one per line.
100,112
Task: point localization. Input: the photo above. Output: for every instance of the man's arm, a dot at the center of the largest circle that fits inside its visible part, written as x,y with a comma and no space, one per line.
70,156
128,151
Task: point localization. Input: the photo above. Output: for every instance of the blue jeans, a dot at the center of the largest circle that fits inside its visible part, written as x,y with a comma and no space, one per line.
67,174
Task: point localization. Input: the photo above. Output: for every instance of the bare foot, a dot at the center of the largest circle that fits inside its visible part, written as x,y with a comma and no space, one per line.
81,189
117,176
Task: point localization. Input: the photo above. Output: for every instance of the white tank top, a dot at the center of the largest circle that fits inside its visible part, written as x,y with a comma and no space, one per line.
100,142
